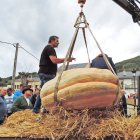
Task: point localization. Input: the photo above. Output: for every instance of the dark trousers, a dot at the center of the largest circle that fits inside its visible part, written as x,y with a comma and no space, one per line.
1,122
43,79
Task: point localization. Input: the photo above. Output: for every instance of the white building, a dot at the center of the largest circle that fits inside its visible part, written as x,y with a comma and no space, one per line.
129,80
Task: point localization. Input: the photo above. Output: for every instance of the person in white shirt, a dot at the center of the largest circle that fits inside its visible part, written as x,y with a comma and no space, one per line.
9,100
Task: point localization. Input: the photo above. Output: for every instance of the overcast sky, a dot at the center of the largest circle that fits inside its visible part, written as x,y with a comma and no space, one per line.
31,22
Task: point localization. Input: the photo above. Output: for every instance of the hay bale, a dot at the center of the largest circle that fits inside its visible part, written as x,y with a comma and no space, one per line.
63,124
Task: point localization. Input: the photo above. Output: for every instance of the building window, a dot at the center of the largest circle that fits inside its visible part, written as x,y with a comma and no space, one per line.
17,86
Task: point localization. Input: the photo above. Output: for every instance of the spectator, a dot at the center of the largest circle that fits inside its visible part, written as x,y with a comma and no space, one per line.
100,63
23,102
135,97
48,66
9,100
3,107
18,93
34,96
123,104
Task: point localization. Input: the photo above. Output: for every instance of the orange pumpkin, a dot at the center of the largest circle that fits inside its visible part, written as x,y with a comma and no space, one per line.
82,88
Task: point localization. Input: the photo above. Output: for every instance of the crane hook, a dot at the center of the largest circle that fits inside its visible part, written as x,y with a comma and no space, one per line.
81,1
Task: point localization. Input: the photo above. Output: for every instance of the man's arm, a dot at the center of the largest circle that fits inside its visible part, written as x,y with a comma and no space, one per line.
56,60
15,106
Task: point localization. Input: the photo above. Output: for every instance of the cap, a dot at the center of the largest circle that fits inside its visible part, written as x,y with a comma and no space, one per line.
25,89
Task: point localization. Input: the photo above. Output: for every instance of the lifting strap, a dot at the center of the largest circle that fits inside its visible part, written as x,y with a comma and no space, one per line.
81,19
83,29
109,66
71,50
68,55
104,56
64,67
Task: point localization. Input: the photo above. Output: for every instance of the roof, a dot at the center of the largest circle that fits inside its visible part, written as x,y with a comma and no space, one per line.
127,74
74,66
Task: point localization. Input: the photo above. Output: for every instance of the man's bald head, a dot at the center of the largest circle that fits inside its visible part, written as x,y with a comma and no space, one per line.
3,91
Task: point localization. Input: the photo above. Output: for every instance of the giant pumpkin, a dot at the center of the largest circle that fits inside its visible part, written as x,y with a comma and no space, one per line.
82,88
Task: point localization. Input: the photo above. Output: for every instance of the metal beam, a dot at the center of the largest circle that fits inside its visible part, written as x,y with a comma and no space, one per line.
138,94
131,7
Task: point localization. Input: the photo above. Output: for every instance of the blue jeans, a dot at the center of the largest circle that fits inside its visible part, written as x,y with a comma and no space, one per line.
43,79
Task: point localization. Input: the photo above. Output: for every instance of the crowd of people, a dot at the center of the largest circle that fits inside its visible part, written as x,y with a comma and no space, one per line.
10,104
25,97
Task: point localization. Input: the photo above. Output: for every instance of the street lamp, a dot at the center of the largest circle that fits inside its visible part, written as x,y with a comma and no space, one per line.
124,75
134,77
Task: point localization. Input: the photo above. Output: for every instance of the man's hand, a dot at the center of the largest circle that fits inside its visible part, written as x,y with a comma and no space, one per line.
71,59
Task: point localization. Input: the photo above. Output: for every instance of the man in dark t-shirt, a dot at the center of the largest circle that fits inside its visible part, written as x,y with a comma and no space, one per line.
48,66
47,69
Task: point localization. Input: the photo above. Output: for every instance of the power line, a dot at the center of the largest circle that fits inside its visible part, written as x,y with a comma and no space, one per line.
13,44
29,53
7,43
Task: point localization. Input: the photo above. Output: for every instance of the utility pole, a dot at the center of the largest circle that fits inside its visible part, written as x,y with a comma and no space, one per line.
134,77
138,95
14,68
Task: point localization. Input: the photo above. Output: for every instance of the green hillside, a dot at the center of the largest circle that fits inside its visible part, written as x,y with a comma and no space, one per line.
129,64
7,81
